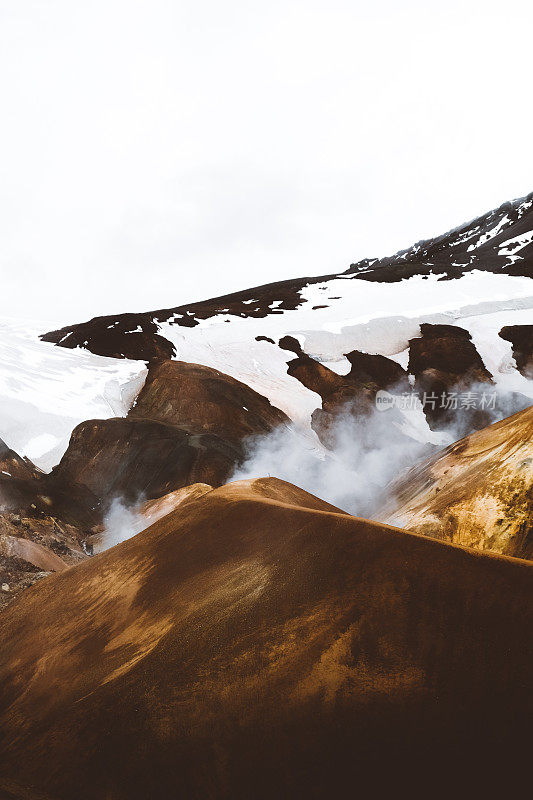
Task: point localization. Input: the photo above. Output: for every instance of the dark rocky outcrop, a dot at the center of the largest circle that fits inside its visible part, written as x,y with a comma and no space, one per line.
482,243
376,372
142,458
132,336
354,393
200,399
291,344
445,363
189,424
449,350
521,338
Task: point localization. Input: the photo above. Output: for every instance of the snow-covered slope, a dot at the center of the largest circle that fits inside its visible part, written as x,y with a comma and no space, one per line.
477,276
372,317
482,267
45,391
341,314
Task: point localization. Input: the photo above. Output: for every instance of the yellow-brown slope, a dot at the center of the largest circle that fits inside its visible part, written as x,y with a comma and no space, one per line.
478,492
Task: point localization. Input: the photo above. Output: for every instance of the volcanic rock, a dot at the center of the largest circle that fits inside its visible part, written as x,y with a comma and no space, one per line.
445,362
133,336
354,393
133,458
13,466
521,338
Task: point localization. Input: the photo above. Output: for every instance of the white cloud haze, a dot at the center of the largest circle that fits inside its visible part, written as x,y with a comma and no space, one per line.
159,152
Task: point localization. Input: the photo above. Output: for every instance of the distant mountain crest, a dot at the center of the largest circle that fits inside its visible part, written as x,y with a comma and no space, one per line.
500,241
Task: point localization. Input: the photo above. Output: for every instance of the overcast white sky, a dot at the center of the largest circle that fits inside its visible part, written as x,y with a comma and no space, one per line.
164,151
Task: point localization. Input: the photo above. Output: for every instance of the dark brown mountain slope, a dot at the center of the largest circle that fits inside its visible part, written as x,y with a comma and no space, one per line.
259,643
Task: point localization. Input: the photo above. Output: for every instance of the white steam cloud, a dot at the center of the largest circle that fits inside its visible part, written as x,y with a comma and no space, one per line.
121,522
367,453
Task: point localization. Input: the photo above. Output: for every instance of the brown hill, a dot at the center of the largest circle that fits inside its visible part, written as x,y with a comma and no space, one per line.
203,400
258,642
189,425
477,492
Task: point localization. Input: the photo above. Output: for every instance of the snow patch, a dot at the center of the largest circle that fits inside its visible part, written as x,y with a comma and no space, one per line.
45,391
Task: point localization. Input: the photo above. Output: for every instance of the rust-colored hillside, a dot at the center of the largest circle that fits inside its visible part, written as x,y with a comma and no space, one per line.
259,643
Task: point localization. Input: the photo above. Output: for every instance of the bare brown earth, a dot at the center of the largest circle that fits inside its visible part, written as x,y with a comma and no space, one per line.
42,526
477,492
259,643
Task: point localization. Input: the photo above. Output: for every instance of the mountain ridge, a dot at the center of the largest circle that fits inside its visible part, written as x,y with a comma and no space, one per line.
434,256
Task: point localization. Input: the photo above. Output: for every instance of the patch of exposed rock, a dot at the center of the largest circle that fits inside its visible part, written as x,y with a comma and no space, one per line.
44,524
521,338
354,393
32,548
445,363
132,336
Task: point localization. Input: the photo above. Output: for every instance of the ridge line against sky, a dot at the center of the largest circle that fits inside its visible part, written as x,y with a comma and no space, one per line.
158,153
